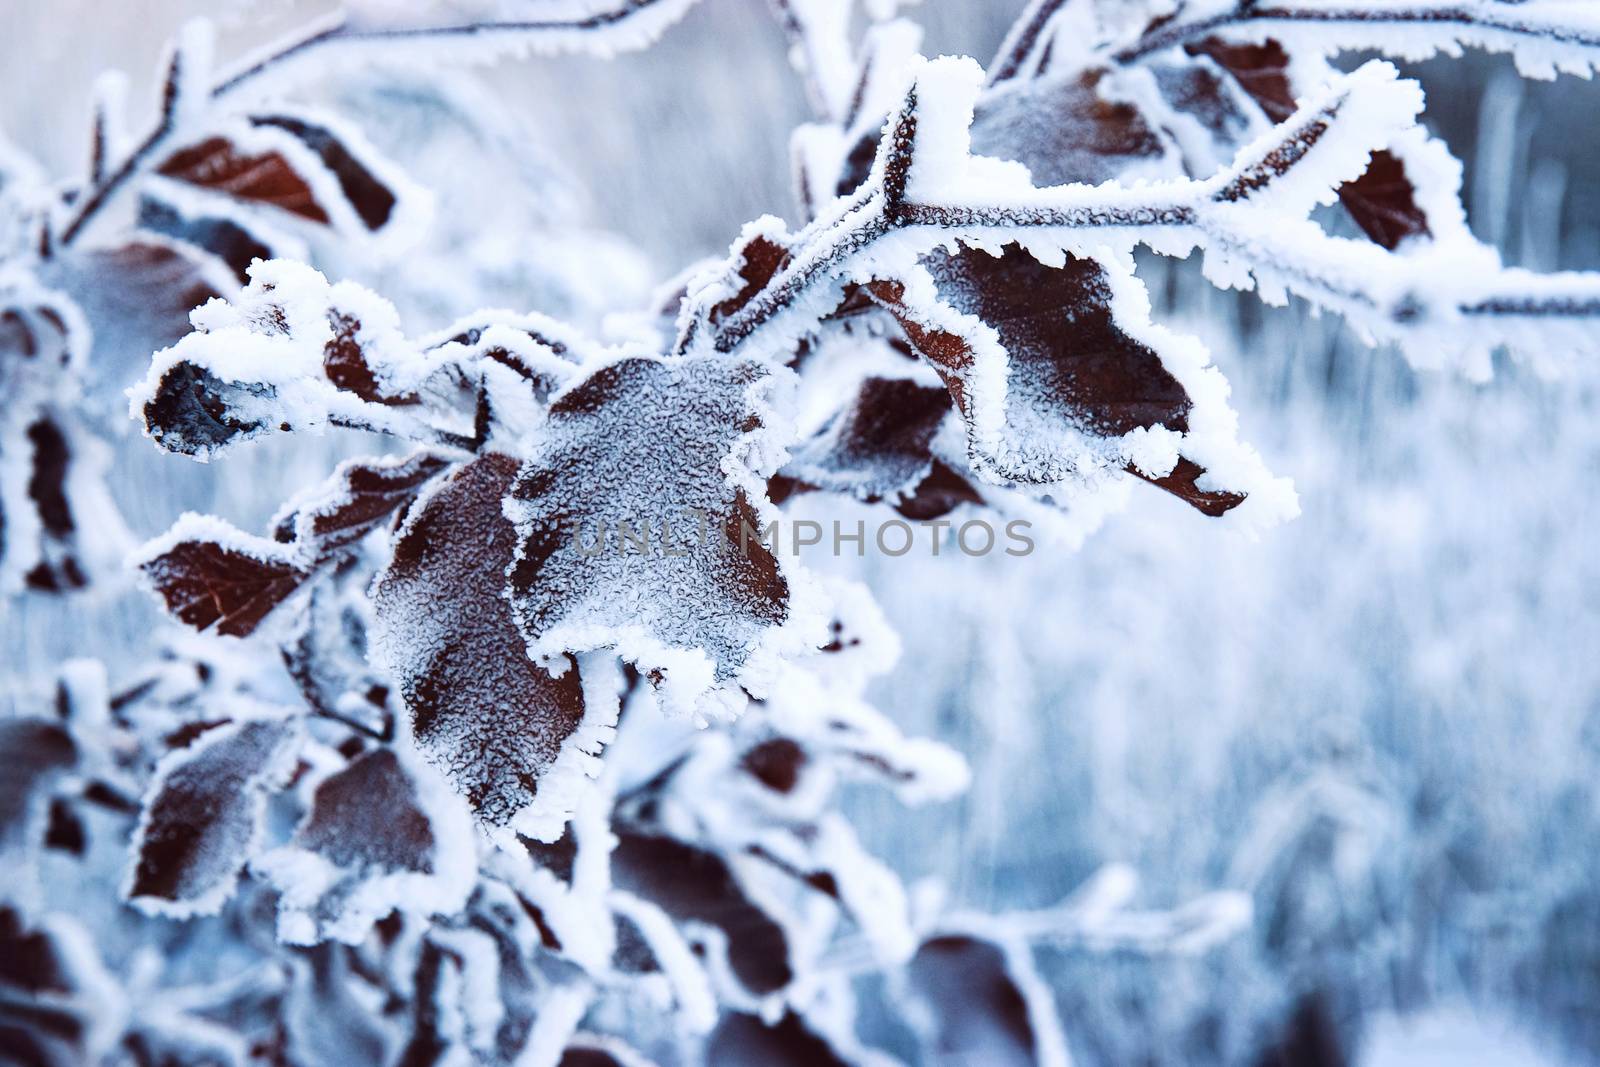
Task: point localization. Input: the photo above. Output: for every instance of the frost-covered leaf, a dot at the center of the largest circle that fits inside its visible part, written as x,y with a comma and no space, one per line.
1382,201
211,575
203,814
515,739
674,454
980,1002
311,167
693,884
1063,129
34,753
293,352
356,499
58,529
381,834
237,242
1060,375
880,446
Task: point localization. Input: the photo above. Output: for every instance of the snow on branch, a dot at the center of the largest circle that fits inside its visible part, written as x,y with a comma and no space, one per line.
927,191
1543,36
480,33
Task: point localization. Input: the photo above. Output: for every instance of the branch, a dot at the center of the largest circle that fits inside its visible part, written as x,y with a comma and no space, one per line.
625,25
1548,26
1023,41
926,190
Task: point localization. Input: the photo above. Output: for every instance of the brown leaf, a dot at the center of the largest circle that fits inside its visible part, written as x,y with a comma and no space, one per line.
371,198
979,1011
358,498
880,445
265,175
264,178
382,843
1382,201
643,442
208,584
481,711
1075,381
203,815
1063,131
690,883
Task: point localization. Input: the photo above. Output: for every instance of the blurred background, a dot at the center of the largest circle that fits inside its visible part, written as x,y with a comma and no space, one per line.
1381,720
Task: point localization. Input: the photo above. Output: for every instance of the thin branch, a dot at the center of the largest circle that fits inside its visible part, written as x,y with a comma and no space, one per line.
1022,40
1510,19
552,34
809,64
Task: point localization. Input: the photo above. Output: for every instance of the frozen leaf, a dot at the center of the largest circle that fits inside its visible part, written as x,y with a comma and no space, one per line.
312,168
1056,377
380,835
34,753
980,1002
293,352
639,512
515,739
211,575
747,1041
263,177
1063,129
356,499
203,815
880,447
690,883
237,242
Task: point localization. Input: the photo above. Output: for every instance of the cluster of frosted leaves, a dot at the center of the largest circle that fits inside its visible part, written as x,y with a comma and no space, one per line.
535,537
994,217
58,529
1061,382
293,352
706,901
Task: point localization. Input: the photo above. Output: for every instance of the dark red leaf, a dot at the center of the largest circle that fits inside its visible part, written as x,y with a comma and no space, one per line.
481,711
206,584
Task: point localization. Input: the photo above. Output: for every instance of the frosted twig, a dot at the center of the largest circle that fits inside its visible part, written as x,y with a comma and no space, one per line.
623,25
1250,220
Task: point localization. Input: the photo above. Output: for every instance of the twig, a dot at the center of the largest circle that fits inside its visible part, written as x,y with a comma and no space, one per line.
341,32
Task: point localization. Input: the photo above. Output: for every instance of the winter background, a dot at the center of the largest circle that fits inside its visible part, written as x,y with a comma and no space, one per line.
1380,720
